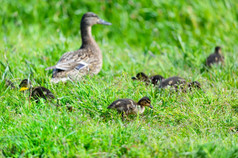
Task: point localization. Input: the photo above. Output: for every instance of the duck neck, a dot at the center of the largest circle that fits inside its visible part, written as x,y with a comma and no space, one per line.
86,35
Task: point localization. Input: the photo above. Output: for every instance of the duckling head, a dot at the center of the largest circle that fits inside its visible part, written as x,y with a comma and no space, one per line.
218,50
155,79
25,85
90,19
140,76
145,101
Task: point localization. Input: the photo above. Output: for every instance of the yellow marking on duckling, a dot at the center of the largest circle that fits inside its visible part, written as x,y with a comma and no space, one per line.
170,82
23,89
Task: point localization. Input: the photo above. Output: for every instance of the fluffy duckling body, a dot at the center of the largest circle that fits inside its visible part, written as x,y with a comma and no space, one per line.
141,76
179,84
174,81
128,106
87,60
36,92
215,58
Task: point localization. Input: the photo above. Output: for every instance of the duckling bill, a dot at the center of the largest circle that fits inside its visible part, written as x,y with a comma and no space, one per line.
87,60
36,92
128,106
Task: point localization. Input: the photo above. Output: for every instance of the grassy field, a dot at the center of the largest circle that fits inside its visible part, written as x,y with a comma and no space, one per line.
163,37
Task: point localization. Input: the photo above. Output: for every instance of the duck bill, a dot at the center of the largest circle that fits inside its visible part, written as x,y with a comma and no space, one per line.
23,89
100,21
151,106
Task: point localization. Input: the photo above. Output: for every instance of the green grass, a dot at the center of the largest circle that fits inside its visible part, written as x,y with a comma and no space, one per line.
181,34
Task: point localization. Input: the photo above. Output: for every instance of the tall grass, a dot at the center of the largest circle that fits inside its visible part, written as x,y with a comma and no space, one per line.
164,37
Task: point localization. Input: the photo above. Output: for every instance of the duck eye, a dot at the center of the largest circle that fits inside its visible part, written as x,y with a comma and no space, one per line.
94,16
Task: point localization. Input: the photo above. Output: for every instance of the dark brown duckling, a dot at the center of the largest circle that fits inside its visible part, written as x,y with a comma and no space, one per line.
128,106
141,76
215,58
9,83
36,92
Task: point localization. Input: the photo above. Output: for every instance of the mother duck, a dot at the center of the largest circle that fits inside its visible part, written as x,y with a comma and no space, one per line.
87,60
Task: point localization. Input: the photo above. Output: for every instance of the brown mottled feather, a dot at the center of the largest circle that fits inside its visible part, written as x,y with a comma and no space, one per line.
128,106
42,92
174,81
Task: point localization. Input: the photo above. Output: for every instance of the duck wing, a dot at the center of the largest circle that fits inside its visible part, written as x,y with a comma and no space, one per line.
76,59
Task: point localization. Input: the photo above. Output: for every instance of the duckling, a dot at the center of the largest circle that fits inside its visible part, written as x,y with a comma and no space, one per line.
128,106
143,77
215,58
87,60
36,92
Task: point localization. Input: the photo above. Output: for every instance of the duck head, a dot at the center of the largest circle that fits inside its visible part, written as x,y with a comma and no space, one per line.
145,101
25,85
218,50
90,19
140,76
